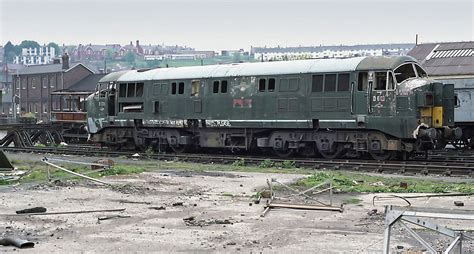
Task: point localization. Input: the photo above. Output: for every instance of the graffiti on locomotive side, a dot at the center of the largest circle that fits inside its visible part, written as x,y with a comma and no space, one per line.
166,123
218,123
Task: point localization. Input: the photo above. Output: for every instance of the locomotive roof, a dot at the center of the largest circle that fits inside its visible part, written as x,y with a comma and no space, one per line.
260,69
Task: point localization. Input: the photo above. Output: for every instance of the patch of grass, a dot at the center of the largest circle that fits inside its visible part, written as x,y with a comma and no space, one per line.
353,201
122,170
267,163
239,163
353,182
285,164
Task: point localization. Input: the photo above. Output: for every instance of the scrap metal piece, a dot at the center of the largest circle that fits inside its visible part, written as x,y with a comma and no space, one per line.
5,164
17,242
416,216
38,209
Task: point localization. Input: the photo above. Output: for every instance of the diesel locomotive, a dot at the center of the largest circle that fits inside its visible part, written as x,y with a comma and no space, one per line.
384,107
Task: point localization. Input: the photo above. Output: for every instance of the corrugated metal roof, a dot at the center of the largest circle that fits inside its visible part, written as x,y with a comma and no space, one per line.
245,69
446,59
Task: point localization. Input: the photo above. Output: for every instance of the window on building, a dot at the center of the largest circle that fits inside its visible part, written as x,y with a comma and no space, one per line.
330,83
215,87
343,82
156,106
317,85
45,82
173,88
181,88
271,84
261,84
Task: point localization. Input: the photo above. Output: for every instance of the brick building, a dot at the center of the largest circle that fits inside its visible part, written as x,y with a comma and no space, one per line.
33,85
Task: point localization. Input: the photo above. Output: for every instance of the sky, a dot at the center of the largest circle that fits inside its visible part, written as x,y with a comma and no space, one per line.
229,24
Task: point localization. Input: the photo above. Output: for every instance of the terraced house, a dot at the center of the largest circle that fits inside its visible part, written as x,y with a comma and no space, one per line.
33,86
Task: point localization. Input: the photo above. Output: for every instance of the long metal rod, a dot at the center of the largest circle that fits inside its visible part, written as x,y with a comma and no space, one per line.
74,173
68,212
77,162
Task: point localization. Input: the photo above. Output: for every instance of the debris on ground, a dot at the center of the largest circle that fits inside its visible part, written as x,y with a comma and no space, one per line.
178,203
191,221
38,209
372,212
458,203
157,207
113,217
17,242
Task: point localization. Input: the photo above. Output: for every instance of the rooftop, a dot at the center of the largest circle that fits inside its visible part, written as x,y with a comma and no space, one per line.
445,59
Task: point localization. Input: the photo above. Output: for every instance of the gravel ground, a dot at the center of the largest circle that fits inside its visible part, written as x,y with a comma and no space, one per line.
217,212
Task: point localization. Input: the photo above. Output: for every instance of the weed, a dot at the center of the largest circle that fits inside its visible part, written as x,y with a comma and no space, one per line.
122,170
149,151
353,182
288,164
267,163
353,201
239,163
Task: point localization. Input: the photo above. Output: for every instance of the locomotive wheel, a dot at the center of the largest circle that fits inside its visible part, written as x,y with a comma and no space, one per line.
383,155
337,152
179,148
284,153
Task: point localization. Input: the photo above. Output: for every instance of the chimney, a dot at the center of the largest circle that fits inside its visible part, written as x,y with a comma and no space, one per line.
131,44
65,58
138,43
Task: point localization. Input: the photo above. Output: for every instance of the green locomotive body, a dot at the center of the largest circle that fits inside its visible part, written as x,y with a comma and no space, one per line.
383,106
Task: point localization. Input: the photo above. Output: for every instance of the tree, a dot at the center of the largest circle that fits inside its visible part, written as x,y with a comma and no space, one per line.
129,57
28,44
9,50
56,47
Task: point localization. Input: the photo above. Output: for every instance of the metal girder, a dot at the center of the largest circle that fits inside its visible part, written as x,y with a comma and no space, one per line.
430,225
457,240
418,238
416,215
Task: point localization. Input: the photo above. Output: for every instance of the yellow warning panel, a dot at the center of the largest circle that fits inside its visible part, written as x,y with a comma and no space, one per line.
437,117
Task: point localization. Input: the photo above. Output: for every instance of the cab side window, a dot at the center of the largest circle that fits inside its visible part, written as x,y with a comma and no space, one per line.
380,81
363,81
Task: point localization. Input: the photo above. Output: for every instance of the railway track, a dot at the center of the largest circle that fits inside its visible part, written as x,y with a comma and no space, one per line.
434,166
